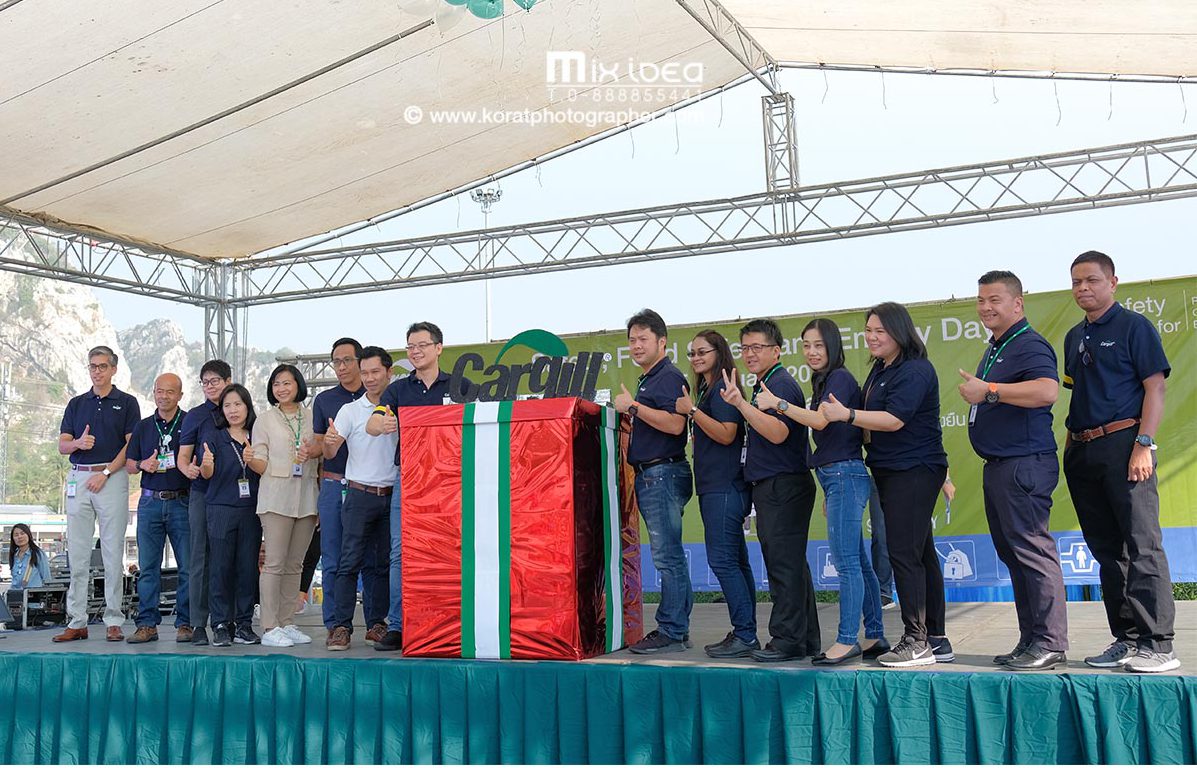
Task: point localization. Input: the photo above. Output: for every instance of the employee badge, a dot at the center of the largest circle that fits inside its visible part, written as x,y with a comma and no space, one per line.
166,458
243,488
71,488
972,415
297,470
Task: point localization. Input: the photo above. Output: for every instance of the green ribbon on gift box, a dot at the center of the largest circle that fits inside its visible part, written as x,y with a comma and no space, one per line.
612,529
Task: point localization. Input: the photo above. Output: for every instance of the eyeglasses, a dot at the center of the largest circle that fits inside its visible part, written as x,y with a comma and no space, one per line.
1086,357
341,362
699,352
101,367
420,347
211,382
756,349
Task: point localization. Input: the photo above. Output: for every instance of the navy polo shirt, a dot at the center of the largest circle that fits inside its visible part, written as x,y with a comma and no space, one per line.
1124,349
909,391
766,459
837,441
409,390
147,436
1001,431
226,471
110,418
717,466
199,418
325,407
659,388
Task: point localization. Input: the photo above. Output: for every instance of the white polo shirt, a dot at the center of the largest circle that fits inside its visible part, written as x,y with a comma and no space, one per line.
371,459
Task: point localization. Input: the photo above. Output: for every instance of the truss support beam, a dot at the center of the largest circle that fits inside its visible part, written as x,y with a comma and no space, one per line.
730,34
781,153
1086,179
226,324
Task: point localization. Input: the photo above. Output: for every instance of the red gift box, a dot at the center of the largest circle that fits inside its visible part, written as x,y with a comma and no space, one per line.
520,536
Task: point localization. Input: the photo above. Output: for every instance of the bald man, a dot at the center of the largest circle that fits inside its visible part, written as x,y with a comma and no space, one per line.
162,509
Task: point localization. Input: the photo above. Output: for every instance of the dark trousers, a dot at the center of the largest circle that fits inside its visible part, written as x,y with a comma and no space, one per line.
723,514
197,559
234,540
1121,524
310,559
365,525
908,500
1018,505
783,508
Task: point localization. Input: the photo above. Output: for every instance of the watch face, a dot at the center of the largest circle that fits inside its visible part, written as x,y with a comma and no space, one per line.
991,397
1145,441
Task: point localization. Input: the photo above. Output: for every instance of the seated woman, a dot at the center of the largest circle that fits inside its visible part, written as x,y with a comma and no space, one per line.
29,565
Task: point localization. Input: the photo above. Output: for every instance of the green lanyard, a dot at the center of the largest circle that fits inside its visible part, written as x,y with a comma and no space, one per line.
756,390
164,438
994,355
297,426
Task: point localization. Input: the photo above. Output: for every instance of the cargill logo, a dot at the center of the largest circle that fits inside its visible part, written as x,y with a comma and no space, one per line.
550,375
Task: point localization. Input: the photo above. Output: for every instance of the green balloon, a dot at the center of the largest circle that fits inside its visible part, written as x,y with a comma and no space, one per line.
485,9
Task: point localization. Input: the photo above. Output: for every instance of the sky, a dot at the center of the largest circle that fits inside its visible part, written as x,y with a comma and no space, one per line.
850,125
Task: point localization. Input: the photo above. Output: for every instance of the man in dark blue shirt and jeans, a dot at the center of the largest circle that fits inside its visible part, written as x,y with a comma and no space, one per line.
1010,426
657,452
1115,366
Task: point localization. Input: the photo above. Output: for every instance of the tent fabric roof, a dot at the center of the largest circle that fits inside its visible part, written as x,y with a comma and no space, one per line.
106,109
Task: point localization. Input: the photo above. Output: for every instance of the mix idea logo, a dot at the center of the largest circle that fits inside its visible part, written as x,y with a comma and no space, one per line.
623,81
552,373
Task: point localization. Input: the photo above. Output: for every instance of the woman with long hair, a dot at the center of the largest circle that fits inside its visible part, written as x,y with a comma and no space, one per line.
717,429
899,413
26,561
234,532
838,464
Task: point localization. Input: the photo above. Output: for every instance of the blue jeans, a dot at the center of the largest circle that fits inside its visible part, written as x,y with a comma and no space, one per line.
328,504
157,520
661,493
395,615
847,488
723,516
879,549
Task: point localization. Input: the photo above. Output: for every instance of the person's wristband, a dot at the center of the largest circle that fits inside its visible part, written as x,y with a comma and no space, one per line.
851,415
693,411
633,409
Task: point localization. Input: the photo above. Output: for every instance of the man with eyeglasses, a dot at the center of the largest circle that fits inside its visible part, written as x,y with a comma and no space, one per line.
1114,363
215,375
783,493
346,362
657,453
95,434
427,384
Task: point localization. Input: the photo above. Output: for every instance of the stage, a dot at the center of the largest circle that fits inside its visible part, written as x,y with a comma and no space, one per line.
94,701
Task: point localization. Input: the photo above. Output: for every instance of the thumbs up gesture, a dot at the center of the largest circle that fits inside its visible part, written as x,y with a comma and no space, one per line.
624,400
191,470
333,438
766,400
833,410
247,453
209,460
684,403
150,464
390,422
87,440
972,389
731,391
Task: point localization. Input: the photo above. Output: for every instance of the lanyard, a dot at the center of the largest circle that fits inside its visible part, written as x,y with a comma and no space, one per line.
237,451
164,437
756,390
994,355
296,426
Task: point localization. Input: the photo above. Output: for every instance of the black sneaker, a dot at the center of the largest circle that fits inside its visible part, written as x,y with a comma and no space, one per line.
222,636
658,642
732,647
908,653
200,637
246,636
391,641
942,649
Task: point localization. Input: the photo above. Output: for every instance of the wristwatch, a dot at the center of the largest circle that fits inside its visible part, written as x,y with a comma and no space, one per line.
782,406
693,411
108,472
992,395
1146,441
633,409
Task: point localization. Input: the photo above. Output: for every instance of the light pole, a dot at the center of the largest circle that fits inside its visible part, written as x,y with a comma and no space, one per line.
486,198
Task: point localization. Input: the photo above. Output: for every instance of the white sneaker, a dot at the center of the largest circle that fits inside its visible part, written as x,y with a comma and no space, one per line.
294,635
277,638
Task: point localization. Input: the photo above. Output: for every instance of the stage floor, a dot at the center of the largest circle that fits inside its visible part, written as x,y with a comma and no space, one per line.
978,632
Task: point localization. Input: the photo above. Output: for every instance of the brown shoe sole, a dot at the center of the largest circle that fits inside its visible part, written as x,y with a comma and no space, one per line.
65,639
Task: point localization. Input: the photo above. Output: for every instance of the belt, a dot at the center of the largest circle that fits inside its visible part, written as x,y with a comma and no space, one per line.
163,495
1089,435
373,490
89,467
646,464
331,476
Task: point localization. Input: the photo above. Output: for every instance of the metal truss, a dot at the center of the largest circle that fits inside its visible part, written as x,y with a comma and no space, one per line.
1069,181
729,33
781,145
225,324
317,370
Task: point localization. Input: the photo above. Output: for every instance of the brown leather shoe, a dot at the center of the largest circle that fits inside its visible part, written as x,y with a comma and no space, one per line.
69,634
184,634
144,635
114,635
338,640
376,634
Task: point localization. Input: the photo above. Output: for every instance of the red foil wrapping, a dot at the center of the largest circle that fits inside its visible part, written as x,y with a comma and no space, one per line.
557,563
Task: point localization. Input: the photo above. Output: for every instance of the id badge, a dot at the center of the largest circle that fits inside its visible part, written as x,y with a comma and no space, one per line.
972,415
296,470
866,436
344,491
166,460
744,455
243,488
71,488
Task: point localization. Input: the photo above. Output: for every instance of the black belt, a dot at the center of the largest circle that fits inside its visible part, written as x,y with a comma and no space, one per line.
1000,459
646,464
163,495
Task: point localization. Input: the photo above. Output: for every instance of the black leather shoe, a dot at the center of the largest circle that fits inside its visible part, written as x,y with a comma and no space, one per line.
732,647
1035,658
878,648
770,654
1006,658
822,660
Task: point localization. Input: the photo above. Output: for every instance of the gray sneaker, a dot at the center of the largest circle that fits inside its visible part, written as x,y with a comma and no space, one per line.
908,653
659,642
1147,660
1117,654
